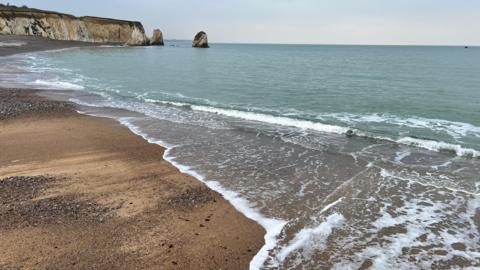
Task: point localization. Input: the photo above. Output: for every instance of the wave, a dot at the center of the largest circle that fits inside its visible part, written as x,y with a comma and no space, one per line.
264,118
173,103
427,144
110,46
431,145
277,120
12,44
453,128
56,84
440,146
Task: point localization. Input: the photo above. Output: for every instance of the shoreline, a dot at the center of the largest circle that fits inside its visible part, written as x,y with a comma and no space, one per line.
100,179
249,234
28,44
272,227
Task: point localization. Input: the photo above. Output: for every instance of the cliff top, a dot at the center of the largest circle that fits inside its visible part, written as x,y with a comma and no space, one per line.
24,10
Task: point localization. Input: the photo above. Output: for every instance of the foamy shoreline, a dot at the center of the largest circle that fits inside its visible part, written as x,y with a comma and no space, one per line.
273,227
240,204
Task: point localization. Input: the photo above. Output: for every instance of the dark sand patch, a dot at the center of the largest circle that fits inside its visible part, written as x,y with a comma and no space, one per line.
15,103
25,44
20,205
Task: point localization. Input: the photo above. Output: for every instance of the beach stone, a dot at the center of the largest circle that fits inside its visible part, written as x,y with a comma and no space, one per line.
200,40
157,38
14,103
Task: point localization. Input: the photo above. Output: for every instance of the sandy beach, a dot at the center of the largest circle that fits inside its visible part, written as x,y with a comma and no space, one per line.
82,192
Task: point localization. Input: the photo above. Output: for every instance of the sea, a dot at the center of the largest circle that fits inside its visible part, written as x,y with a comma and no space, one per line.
350,157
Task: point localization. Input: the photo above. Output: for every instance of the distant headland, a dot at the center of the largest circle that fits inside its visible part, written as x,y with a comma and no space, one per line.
25,21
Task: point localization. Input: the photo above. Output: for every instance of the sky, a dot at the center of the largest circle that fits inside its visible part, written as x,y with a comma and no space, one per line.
390,22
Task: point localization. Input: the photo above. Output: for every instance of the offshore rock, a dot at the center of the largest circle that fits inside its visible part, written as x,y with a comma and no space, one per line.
200,40
157,38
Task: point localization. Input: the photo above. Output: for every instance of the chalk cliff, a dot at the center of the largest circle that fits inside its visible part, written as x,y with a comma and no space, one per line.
54,25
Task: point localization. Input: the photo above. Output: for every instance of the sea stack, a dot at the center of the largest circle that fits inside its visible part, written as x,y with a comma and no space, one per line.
200,40
157,38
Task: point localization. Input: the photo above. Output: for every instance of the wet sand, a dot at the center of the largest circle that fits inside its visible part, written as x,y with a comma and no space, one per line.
10,44
82,192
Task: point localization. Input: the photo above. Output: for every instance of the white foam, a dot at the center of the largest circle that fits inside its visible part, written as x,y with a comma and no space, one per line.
318,235
386,220
12,44
259,117
331,205
89,104
445,164
277,120
178,104
416,216
273,227
401,155
450,185
453,128
439,146
111,46
416,219
56,84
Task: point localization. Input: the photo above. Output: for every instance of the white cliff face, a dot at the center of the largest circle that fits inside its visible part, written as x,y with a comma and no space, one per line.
137,37
67,27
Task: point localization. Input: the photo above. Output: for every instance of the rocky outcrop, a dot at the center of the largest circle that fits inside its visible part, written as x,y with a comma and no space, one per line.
59,26
157,38
200,40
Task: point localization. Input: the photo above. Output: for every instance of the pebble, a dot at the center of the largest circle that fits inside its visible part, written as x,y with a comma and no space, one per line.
15,102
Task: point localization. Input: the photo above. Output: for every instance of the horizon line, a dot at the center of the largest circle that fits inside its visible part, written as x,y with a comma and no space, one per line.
329,44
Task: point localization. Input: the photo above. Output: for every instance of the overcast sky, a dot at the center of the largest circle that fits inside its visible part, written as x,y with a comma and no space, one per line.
438,22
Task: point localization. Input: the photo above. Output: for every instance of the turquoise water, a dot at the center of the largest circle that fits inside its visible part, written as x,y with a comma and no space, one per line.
348,156
392,91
